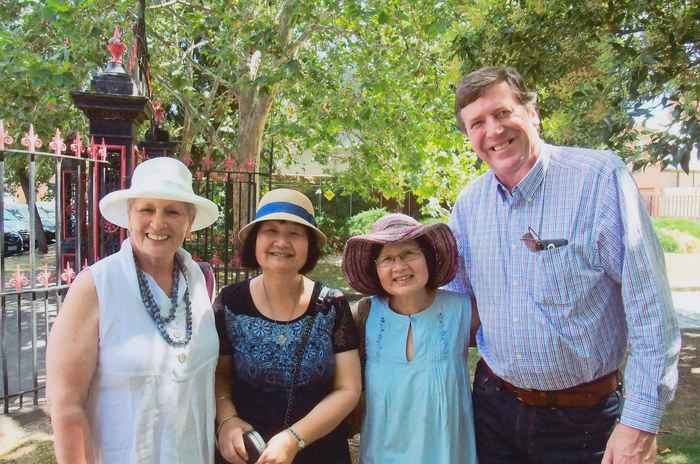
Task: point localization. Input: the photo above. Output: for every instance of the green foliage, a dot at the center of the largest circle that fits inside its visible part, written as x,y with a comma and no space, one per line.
687,226
335,231
361,223
597,67
668,243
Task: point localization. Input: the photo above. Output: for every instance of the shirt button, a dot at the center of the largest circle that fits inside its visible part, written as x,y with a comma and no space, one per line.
515,284
519,356
515,319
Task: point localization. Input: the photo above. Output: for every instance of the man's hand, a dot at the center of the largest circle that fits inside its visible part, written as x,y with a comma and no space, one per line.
628,445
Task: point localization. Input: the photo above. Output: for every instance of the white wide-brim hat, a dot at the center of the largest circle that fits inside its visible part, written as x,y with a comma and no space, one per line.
284,205
159,178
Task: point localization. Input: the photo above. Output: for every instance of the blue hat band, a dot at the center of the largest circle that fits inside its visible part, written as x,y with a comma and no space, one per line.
284,207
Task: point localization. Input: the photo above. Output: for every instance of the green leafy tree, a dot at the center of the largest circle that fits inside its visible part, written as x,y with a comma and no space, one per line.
599,67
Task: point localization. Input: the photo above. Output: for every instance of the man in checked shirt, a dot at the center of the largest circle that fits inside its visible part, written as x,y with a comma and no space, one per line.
560,254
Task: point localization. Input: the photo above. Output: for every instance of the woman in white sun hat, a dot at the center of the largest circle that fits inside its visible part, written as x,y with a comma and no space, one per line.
131,355
288,364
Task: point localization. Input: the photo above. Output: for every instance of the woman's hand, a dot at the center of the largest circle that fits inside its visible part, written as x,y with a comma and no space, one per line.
230,440
281,449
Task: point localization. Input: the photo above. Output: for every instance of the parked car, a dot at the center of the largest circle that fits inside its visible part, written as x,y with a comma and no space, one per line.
20,211
47,212
13,243
11,224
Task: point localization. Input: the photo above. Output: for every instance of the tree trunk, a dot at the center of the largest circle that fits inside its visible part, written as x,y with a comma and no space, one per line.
254,108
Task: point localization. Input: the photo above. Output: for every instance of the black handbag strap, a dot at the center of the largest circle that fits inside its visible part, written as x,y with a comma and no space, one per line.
301,348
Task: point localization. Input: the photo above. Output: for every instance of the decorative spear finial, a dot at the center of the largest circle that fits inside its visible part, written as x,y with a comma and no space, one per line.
4,136
57,144
31,140
116,47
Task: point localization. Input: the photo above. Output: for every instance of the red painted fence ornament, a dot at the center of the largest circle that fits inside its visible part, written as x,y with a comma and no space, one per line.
68,274
57,144
116,47
4,136
31,140
18,280
77,146
44,277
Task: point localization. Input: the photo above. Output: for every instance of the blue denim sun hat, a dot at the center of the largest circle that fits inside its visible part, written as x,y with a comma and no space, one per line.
284,205
394,228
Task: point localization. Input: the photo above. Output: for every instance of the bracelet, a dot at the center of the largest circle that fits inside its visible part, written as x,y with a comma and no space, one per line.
223,421
300,441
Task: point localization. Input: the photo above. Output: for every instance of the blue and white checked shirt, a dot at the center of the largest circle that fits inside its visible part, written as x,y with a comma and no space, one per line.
558,318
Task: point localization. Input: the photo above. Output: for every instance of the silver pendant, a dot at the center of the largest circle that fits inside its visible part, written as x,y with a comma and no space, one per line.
281,339
182,357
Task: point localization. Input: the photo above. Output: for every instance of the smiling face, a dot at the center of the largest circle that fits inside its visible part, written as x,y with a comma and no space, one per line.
503,132
281,246
157,228
402,269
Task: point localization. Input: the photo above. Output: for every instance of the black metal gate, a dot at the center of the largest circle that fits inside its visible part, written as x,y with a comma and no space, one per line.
236,192
32,286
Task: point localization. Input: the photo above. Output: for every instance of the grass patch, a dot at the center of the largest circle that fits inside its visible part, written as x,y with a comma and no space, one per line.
668,243
679,449
687,226
31,452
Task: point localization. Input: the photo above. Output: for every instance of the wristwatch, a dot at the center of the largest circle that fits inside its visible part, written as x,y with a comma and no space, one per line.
300,441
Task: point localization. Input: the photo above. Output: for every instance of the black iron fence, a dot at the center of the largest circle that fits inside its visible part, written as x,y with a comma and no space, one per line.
33,284
236,193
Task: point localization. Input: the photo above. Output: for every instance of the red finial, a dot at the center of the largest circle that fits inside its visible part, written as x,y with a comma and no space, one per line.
4,136
77,145
31,140
158,112
68,274
103,150
57,144
18,280
44,277
207,162
116,47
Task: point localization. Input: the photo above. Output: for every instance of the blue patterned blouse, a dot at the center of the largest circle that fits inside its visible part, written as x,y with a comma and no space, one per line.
263,352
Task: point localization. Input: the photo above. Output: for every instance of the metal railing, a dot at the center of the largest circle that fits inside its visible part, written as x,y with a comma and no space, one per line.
32,289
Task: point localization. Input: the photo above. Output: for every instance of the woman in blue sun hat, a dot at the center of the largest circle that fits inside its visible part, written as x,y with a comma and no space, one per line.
288,371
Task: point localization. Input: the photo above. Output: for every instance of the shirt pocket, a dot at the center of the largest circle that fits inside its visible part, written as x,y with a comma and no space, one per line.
563,277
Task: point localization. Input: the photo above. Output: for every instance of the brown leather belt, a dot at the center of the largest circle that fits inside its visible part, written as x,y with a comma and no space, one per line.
585,395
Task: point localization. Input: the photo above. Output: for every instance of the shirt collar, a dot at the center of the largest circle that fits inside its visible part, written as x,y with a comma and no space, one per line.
528,186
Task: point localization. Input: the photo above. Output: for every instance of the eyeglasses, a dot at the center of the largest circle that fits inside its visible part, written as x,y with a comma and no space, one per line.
533,242
406,256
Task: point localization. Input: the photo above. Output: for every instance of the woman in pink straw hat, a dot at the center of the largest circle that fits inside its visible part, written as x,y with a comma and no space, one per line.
288,371
417,396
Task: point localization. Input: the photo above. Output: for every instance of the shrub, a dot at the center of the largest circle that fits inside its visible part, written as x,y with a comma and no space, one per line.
668,243
361,223
335,231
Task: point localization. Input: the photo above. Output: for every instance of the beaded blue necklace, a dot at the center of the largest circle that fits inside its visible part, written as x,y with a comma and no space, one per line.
154,310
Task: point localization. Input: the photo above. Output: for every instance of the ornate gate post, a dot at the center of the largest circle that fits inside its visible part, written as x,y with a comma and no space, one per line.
114,110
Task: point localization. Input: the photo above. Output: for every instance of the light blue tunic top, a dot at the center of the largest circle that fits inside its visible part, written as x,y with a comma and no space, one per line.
418,411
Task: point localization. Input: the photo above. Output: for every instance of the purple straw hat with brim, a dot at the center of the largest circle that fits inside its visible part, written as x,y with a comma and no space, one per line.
394,228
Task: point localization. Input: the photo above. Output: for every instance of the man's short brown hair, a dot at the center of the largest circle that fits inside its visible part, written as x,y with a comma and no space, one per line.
476,82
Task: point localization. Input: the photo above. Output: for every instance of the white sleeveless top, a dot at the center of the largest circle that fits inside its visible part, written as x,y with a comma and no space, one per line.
149,402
